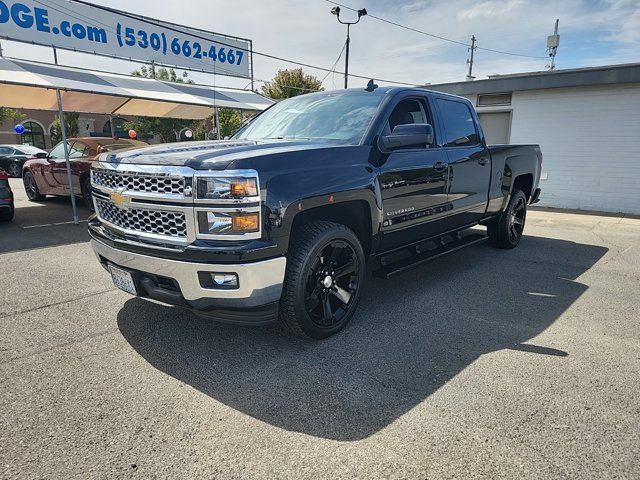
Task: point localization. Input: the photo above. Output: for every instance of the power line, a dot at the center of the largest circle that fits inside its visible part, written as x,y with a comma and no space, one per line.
333,68
254,52
432,35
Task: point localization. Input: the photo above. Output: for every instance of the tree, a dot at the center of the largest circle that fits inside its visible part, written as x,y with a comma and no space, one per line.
290,83
231,120
165,74
71,124
9,114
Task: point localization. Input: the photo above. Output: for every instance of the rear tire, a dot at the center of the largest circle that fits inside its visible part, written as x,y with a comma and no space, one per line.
14,170
31,188
323,280
506,231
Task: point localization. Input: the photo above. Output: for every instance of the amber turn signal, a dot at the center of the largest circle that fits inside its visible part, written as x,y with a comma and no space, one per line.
245,187
246,223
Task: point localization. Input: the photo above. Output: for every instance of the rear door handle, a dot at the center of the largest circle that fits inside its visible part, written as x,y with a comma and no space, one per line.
483,161
440,166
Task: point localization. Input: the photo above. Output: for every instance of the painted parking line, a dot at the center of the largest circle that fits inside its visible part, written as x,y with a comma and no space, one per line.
53,224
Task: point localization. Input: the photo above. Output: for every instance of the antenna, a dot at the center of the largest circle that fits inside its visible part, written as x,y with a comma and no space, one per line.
552,46
472,48
370,86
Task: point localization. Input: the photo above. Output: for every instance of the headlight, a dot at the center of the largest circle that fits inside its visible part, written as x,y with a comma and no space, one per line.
223,188
228,223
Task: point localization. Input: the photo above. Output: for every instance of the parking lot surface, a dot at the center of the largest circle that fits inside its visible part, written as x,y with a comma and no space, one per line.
482,364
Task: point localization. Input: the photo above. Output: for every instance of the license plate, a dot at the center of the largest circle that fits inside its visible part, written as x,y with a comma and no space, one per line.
123,280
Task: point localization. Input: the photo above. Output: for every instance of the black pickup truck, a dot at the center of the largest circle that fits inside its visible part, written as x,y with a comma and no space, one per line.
279,222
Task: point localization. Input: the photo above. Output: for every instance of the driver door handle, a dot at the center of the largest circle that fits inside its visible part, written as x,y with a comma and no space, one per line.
483,161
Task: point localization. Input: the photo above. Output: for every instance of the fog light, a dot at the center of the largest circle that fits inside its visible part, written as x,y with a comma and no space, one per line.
225,280
219,280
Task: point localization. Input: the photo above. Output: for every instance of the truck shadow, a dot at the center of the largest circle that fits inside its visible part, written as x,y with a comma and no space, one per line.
410,336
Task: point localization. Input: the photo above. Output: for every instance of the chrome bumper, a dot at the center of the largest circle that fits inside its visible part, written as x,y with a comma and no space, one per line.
259,282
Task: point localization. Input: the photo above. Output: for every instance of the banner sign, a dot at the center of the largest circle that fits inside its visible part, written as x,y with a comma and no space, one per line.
83,27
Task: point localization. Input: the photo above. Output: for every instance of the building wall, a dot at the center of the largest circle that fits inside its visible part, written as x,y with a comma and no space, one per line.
588,137
87,124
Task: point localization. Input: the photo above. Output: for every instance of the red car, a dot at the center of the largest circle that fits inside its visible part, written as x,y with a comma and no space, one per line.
48,175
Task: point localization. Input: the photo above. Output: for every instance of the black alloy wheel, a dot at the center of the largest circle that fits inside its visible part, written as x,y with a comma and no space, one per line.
516,219
323,281
332,282
31,188
14,170
506,231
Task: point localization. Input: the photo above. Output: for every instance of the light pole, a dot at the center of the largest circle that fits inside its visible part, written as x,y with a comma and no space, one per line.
361,13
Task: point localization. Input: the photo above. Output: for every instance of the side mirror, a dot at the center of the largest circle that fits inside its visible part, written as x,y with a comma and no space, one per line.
42,155
408,135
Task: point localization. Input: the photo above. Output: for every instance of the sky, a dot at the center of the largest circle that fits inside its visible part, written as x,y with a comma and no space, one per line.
593,32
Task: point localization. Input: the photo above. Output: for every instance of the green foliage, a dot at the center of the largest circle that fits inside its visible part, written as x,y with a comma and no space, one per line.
231,120
290,83
9,114
71,124
165,74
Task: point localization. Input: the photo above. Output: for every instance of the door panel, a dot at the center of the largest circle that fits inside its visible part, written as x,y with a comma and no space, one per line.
412,181
414,197
470,174
76,151
469,162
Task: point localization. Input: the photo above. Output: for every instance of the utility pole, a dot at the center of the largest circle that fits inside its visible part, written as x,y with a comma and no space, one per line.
472,48
552,46
346,59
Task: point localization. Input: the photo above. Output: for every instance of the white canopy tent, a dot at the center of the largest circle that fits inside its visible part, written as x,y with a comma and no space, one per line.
33,85
42,86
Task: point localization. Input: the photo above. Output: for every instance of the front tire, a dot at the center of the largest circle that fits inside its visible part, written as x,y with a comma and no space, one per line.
31,188
506,231
323,280
87,197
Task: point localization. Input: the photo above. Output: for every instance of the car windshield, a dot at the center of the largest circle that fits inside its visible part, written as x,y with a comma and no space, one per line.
336,117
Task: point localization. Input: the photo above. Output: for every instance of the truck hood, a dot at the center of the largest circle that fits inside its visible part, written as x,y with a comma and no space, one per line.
209,155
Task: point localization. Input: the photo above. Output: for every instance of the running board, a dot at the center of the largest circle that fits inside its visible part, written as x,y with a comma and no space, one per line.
423,255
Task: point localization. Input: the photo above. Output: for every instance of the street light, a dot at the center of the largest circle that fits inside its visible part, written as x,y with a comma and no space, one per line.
361,13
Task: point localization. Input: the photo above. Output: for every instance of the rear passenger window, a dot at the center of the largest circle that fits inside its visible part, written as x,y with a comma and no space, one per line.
459,127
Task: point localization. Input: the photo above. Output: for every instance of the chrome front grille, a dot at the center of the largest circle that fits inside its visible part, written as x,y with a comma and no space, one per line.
137,182
143,220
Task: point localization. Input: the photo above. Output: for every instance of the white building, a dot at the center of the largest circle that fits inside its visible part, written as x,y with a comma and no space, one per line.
587,122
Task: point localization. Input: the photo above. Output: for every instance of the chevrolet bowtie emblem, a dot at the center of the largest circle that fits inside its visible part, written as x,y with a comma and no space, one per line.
119,199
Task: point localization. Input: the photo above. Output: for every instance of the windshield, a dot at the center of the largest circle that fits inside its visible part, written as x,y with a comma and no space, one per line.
335,117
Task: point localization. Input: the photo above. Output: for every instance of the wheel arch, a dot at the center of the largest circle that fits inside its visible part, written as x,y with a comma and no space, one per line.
354,214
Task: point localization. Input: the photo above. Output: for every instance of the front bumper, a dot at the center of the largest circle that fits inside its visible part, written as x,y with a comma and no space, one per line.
179,283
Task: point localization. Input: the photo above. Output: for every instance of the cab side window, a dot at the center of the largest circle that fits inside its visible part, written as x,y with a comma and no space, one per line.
406,112
459,127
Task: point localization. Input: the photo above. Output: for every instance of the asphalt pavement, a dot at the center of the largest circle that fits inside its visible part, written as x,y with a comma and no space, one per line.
483,364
